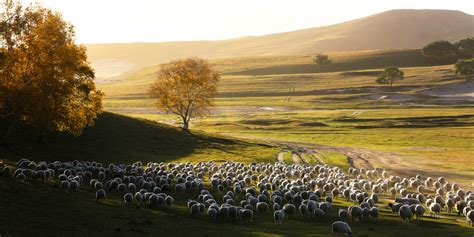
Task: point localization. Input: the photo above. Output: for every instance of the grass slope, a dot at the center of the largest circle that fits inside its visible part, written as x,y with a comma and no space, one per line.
116,138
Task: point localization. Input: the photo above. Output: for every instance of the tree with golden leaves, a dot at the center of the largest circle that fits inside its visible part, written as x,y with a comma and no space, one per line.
185,88
46,81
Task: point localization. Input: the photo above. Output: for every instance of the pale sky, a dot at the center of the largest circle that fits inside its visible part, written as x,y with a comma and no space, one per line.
113,21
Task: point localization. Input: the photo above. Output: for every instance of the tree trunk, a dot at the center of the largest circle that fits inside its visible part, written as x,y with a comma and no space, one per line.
41,138
185,124
9,131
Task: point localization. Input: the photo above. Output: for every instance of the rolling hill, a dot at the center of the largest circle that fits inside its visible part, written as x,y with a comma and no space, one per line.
396,29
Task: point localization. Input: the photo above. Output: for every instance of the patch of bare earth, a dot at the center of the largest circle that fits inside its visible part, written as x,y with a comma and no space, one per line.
280,156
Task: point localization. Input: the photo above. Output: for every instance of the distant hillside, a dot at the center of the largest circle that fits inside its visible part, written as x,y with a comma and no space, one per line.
394,29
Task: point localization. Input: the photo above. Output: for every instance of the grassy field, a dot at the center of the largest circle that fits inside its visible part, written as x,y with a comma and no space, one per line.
338,118
341,108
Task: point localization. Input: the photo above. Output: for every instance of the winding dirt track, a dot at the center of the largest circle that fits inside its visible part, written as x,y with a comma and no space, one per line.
396,164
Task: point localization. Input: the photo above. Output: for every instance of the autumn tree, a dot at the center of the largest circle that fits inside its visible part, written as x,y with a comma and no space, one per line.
46,81
389,76
465,68
185,88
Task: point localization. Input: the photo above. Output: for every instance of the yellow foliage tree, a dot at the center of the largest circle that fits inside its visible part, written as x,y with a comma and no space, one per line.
46,81
186,88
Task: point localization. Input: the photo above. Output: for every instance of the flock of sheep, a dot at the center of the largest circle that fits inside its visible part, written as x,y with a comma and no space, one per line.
233,191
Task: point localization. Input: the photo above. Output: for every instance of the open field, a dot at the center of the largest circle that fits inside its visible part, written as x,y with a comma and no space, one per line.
339,118
415,130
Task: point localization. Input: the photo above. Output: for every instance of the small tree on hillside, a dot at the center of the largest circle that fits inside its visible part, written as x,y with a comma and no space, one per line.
322,59
441,51
186,88
464,68
389,76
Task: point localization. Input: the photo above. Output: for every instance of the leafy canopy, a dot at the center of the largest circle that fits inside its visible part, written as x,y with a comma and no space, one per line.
441,51
46,81
464,68
186,88
322,59
466,47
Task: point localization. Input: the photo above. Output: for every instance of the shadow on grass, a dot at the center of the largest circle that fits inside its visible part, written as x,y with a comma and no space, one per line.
115,138
413,122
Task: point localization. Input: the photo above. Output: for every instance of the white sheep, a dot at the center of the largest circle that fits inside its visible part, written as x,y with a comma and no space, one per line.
435,209
128,199
419,211
278,216
340,227
405,213
470,217
138,198
99,195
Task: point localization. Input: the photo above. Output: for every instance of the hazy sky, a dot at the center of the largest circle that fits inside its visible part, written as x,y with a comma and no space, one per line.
105,21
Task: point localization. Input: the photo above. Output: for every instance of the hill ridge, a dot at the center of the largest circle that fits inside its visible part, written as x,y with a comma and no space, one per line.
395,29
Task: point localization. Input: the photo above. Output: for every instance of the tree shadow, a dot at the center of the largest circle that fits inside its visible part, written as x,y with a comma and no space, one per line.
413,122
115,138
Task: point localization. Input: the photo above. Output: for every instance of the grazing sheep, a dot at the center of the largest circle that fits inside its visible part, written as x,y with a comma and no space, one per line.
470,217
340,227
64,185
98,185
325,206
419,212
449,205
212,213
409,201
194,209
289,209
153,200
435,209
405,214
74,185
466,210
138,199
318,214
128,199
344,214
276,207
278,216
246,215
304,211
122,188
356,213
169,200
395,207
99,195
262,207
374,213
5,171
364,205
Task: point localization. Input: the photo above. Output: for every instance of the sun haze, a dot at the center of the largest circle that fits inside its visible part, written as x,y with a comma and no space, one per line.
112,21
